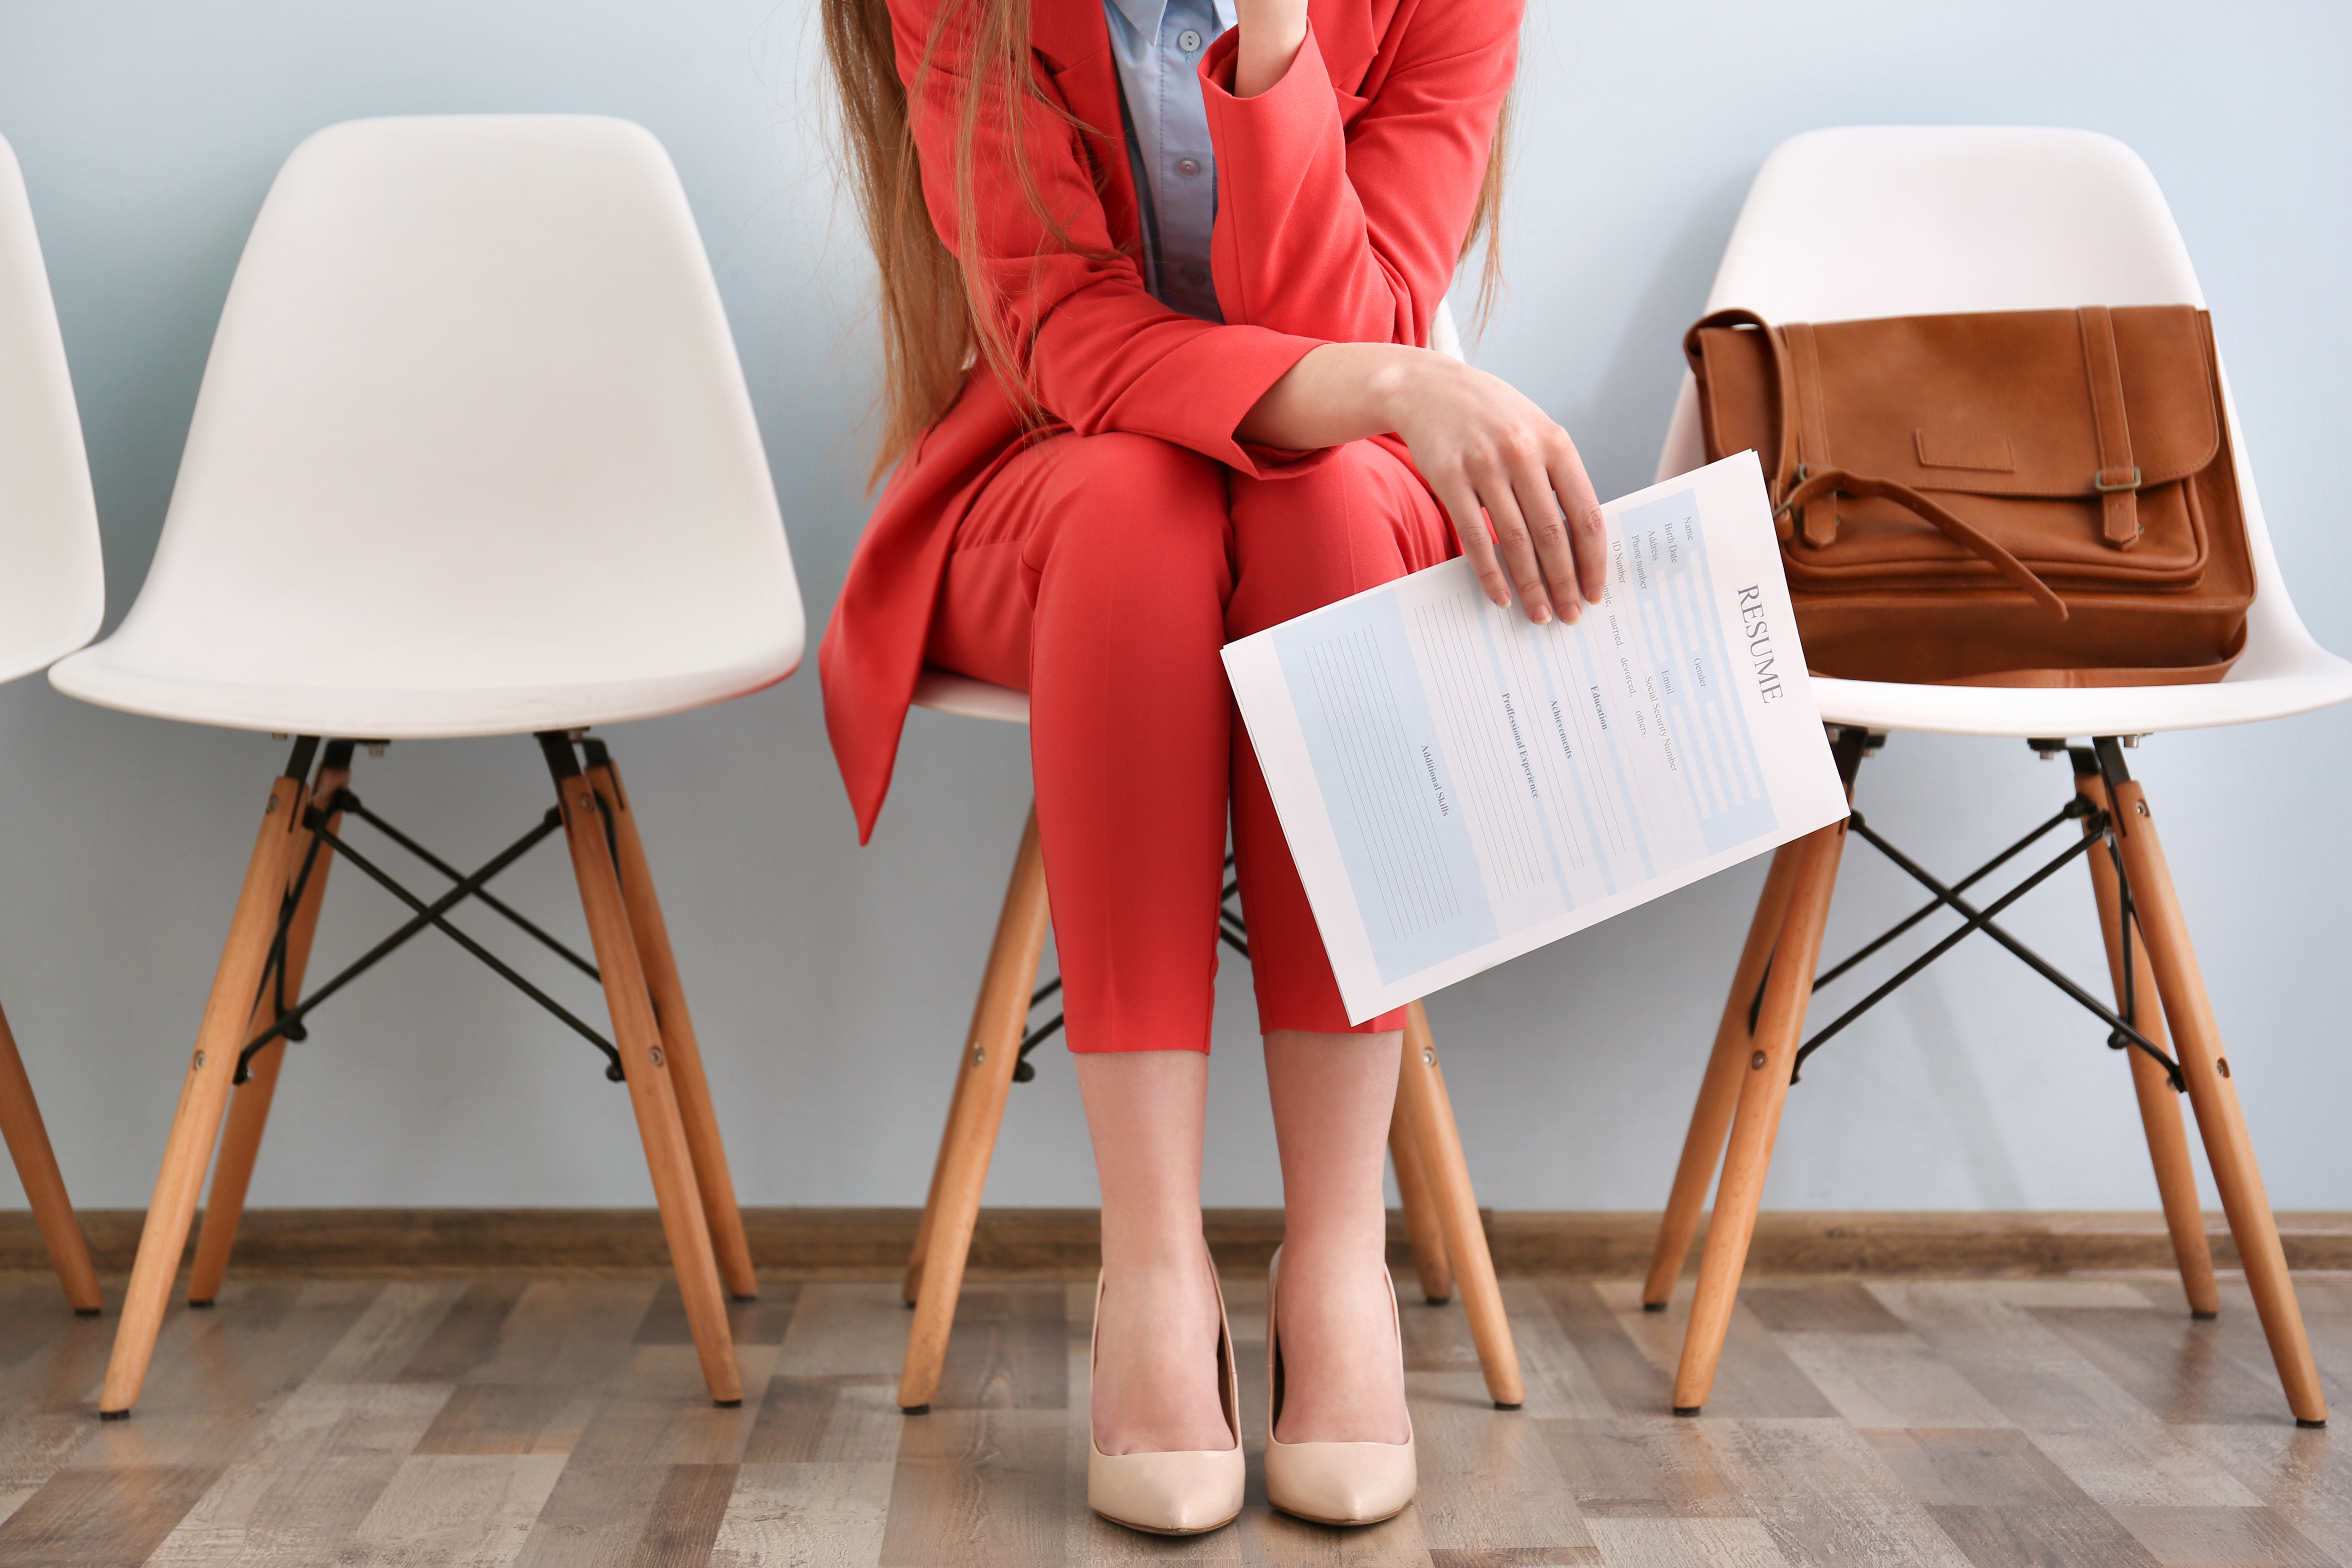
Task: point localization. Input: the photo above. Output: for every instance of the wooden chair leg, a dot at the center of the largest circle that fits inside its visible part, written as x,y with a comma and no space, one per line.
646,1067
2159,1107
992,1051
687,1077
45,1187
2197,1044
1757,1119
1718,1091
1421,1217
248,1109
204,1094
911,1288
1421,1086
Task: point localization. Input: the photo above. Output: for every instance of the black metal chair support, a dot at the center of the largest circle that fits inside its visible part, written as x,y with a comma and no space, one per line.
350,803
2122,1033
290,1020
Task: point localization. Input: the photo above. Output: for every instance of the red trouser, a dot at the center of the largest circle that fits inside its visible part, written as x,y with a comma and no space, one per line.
1101,573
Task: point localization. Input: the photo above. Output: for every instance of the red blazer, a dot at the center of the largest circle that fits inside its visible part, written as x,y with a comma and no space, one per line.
1343,194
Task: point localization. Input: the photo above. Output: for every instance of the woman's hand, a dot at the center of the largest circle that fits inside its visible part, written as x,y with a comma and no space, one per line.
1482,446
1272,31
1481,443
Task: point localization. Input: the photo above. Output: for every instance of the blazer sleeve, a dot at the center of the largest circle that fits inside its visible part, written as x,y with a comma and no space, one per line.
1100,351
1342,218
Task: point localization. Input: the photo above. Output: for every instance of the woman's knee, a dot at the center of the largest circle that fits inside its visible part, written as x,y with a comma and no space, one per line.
1137,505
1349,520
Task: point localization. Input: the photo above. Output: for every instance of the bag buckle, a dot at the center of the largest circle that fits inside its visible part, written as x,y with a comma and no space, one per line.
1784,508
2101,483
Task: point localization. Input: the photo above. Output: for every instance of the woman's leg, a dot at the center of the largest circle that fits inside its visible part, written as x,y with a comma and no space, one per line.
1155,1377
1332,1095
1352,519
1093,573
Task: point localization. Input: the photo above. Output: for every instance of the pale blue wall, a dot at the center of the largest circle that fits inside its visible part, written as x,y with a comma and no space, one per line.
832,983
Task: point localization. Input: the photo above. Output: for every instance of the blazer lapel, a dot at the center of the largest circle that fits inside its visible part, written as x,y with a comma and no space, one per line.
1072,43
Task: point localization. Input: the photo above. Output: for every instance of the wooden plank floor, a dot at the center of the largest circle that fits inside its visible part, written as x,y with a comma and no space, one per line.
559,1423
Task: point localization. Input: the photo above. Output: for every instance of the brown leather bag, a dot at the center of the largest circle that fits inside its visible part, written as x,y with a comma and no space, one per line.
2022,497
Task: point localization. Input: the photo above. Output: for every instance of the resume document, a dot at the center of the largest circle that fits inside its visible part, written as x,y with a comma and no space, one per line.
1459,785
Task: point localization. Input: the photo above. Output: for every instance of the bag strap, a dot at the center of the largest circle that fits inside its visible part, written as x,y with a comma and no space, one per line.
1797,485
2118,478
1817,520
1957,527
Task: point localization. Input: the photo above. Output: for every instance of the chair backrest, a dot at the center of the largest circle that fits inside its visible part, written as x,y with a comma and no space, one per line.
1443,335
473,419
52,581
1911,220
1863,221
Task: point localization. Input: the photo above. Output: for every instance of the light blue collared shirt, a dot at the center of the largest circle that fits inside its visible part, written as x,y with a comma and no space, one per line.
1158,45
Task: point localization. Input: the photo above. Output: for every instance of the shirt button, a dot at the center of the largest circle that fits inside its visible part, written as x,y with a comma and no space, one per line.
1188,40
1188,167
1194,276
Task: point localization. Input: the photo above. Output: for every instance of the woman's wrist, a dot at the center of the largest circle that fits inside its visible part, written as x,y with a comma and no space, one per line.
1390,380
1272,33
1338,393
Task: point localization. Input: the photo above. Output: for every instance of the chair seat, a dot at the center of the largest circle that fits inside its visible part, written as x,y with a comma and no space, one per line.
103,676
2317,680
943,693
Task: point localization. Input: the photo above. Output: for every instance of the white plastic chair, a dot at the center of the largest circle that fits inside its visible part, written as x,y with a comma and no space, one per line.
1864,222
52,595
473,456
1432,1177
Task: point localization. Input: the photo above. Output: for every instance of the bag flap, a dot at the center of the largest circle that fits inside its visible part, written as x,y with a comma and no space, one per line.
2000,404
1739,405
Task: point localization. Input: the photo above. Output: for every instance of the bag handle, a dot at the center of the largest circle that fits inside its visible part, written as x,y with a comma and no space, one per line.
1959,529
1795,485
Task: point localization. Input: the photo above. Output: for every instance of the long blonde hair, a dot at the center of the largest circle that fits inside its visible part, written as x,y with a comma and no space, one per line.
939,313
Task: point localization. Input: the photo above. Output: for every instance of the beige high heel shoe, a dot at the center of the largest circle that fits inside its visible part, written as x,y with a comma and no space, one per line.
1183,1492
1332,1483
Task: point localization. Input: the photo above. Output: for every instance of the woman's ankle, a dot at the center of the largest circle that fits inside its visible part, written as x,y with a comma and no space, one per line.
1172,1289
1342,1359
1328,1249
1155,1251
1157,1362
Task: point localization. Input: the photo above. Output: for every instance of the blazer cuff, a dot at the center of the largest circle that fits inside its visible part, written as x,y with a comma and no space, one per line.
1300,109
1200,393
1305,77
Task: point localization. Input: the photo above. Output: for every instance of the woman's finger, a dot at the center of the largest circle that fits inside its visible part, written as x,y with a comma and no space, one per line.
1517,550
1581,508
1460,504
1549,533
